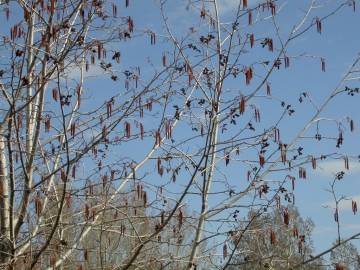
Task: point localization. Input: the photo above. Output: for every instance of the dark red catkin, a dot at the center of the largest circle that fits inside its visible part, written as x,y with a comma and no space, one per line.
268,89
127,129
225,252
159,165
250,17
152,38
130,24
336,215
164,60
72,129
273,8
245,4
272,237
354,207
141,131
252,40
323,68
242,105
47,123
346,163
114,10
313,163
55,94
157,137
180,218
287,61
318,25
248,75
202,13
261,160
286,216
352,126
257,115
109,108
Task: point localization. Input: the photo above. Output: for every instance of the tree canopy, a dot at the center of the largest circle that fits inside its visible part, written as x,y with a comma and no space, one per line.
178,134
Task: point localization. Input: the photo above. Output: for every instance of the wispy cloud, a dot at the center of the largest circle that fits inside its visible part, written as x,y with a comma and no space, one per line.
226,6
352,227
73,72
324,230
345,227
344,205
330,168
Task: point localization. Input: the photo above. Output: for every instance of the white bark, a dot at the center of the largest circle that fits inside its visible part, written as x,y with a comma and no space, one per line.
212,147
4,189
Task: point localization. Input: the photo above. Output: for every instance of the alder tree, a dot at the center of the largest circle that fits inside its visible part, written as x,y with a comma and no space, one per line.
157,134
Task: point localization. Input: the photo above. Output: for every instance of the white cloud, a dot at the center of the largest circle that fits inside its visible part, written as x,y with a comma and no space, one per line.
345,227
73,72
226,6
324,230
352,227
330,168
344,205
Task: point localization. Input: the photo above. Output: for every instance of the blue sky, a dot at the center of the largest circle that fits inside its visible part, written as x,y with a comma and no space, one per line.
338,43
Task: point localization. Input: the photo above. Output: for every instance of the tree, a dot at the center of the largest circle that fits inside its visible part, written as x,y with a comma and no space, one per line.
272,242
177,125
123,228
345,256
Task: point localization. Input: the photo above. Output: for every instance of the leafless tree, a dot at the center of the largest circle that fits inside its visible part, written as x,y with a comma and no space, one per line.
102,148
